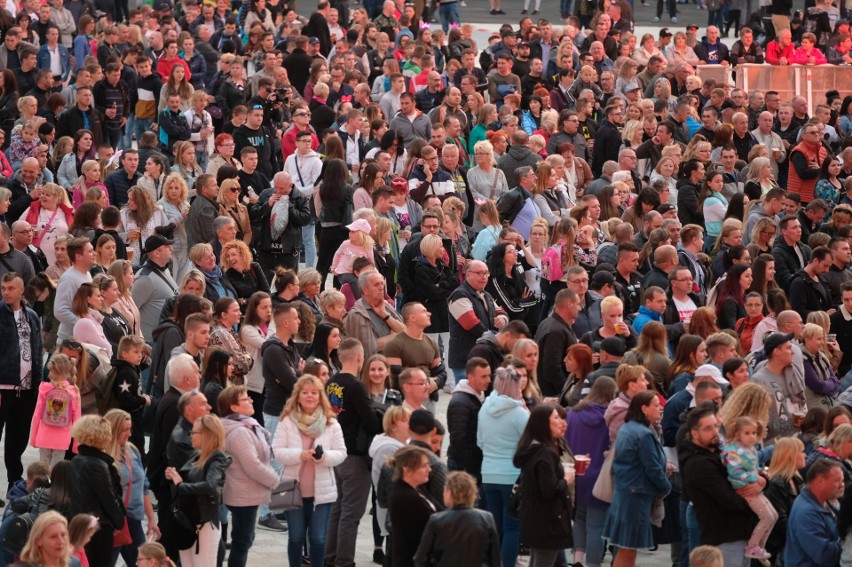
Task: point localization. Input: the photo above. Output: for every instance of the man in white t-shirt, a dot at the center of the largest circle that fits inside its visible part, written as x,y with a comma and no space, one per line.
682,299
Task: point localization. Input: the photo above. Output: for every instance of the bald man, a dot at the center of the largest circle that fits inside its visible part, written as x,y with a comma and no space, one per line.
281,241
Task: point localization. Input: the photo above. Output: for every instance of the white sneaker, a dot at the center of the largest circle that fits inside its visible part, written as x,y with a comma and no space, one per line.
674,19
655,19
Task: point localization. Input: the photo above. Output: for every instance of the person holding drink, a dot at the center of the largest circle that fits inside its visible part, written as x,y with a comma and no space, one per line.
612,315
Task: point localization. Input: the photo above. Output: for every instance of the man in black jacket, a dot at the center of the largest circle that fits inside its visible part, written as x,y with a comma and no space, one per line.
253,134
283,251
463,453
790,253
607,139
173,125
298,64
121,180
554,336
359,422
808,292
84,115
191,406
724,518
184,377
493,347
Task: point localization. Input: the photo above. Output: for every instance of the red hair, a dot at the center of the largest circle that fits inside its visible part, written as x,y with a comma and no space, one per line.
221,139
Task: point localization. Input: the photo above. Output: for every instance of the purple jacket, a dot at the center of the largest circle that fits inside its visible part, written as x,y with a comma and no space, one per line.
587,434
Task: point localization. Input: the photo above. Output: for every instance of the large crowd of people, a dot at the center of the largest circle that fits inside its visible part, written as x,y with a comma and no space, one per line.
246,250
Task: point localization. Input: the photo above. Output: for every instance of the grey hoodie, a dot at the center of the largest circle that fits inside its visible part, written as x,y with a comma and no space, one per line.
381,449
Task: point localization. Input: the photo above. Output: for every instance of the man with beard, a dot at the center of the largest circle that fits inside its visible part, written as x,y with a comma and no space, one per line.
724,518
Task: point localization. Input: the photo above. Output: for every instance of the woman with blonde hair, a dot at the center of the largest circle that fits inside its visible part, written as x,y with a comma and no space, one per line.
136,497
185,164
485,180
762,236
647,48
230,206
204,474
486,116
831,349
679,52
95,485
50,216
122,271
90,177
821,382
245,275
526,351
760,178
551,202
175,205
307,422
139,218
785,484
48,544
489,235
749,400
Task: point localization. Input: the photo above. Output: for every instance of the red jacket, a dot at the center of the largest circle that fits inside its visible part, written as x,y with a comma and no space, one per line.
774,52
801,57
35,207
164,68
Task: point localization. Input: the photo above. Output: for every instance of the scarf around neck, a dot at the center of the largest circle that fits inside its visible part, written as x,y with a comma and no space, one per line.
311,425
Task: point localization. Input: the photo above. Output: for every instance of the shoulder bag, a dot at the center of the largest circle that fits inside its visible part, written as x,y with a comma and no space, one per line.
287,495
603,488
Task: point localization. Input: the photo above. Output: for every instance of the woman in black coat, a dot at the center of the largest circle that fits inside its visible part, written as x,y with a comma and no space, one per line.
545,509
335,212
461,535
689,209
95,487
434,281
411,506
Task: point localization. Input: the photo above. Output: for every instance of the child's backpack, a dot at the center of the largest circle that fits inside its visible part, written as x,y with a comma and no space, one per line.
57,408
106,398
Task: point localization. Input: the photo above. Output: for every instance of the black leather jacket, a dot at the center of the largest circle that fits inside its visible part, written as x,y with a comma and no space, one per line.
206,480
95,486
179,450
459,537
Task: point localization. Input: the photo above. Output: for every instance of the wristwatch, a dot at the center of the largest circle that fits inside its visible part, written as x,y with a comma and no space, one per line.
386,317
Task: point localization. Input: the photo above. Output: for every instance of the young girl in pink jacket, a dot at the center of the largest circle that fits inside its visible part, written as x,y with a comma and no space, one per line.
57,409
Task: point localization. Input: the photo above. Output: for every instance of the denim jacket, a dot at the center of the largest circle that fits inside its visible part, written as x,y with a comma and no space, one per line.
43,59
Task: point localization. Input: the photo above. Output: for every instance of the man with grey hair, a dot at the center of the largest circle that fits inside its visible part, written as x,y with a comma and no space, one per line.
185,377
763,134
279,246
605,178
743,140
225,229
372,320
191,406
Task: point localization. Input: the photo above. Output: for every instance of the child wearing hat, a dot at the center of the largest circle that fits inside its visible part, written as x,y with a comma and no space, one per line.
359,245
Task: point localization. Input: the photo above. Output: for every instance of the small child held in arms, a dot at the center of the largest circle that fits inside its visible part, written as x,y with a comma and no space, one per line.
126,387
57,409
25,143
740,458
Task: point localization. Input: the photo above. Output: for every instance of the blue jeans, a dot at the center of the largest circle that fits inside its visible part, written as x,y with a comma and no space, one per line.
449,14
310,244
131,551
565,8
307,519
140,126
126,141
497,502
689,532
270,423
733,554
242,534
588,533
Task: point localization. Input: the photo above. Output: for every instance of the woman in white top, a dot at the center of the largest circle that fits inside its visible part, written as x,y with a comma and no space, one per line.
307,423
139,218
175,204
49,216
253,333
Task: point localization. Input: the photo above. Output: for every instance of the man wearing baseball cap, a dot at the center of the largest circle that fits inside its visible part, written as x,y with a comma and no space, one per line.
154,283
779,376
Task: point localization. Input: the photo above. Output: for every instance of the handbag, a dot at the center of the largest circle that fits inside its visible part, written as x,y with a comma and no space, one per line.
602,490
122,537
286,496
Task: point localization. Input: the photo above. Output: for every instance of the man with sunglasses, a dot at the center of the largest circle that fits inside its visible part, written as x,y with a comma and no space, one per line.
301,123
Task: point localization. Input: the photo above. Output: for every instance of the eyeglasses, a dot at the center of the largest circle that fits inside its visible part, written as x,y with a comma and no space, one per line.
302,114
688,280
73,345
228,145
485,273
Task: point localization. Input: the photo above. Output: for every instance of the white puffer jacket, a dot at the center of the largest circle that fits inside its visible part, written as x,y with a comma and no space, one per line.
287,448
